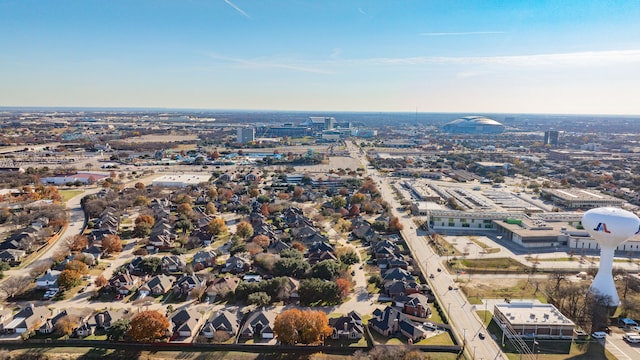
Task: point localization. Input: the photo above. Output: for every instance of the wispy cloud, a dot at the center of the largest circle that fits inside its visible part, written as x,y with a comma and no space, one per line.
560,59
272,63
237,8
462,33
361,11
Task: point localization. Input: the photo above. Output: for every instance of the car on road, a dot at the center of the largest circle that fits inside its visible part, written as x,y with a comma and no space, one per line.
599,335
481,336
632,338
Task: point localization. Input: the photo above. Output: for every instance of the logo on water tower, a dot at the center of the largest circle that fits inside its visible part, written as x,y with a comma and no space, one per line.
602,227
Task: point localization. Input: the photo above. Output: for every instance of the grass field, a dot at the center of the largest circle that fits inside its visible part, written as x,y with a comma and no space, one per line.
487,265
521,290
68,194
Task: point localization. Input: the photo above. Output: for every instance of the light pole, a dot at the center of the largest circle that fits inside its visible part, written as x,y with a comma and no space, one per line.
474,352
464,338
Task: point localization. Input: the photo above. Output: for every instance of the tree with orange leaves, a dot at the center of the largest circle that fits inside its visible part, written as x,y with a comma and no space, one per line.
148,326
112,244
395,225
296,326
343,288
261,240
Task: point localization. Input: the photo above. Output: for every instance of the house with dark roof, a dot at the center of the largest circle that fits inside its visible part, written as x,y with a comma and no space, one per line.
415,304
391,321
347,327
172,264
12,256
221,321
237,264
397,274
204,259
157,285
185,323
258,324
222,286
28,319
124,283
187,282
100,321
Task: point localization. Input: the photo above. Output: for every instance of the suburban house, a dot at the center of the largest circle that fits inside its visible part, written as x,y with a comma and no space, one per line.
223,321
49,279
12,256
415,305
157,285
187,283
185,323
172,264
259,324
124,283
100,322
28,319
391,321
204,259
347,327
237,264
222,286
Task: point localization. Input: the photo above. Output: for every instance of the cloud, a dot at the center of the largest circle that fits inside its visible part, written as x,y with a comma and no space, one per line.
237,8
587,58
462,33
267,63
361,11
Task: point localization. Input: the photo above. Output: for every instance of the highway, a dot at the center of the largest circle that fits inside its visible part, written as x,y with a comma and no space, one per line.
465,323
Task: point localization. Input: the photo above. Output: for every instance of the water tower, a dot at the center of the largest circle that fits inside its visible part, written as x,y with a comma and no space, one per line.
610,227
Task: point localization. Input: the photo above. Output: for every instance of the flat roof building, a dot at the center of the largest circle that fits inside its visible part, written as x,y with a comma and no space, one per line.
580,198
182,180
528,319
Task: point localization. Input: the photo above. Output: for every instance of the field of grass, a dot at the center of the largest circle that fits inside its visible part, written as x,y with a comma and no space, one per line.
489,265
521,290
68,194
485,316
440,339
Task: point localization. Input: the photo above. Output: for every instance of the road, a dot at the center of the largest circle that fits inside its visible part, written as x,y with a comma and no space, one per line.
465,323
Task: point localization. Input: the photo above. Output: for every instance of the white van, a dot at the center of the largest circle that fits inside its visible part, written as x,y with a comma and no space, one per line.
631,338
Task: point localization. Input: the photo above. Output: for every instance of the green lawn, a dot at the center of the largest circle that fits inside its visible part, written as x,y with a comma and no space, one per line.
485,316
440,339
68,194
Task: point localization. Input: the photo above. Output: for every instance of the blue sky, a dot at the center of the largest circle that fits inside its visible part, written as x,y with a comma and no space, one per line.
434,56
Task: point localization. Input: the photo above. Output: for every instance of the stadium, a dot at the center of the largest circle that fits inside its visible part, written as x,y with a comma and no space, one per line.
473,125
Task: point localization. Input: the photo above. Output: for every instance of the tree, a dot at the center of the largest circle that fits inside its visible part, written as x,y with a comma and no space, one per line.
101,281
184,209
15,285
244,230
139,186
349,258
338,201
76,265
325,269
112,244
148,326
217,227
264,209
259,299
313,291
343,288
142,229
358,198
394,224
295,267
261,240
354,210
144,218
78,243
301,326
65,325
150,264
69,278
210,208
118,330
141,201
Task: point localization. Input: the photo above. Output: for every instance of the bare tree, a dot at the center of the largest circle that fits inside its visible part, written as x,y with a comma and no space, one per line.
15,285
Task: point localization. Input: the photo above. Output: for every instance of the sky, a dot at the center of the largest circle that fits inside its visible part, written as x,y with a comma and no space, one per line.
566,56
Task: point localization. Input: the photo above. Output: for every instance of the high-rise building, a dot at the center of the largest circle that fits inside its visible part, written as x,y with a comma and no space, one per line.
551,137
246,135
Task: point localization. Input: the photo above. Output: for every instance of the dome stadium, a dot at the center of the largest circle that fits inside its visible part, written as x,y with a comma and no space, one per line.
473,125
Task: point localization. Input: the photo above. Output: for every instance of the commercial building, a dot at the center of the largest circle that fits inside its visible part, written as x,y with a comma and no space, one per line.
473,125
181,181
246,135
532,320
85,178
580,198
551,137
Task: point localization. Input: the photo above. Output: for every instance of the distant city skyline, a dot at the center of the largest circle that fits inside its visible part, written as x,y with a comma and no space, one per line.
558,57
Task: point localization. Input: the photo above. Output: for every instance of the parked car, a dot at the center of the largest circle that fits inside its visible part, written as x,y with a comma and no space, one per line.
632,338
